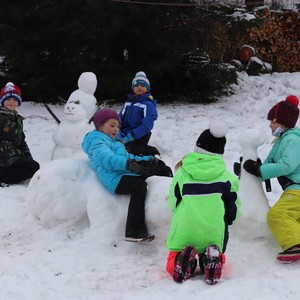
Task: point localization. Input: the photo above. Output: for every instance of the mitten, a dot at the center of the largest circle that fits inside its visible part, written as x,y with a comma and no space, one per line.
237,167
143,168
127,138
253,167
160,168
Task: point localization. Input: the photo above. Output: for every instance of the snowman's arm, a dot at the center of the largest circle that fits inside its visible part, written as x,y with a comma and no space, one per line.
52,113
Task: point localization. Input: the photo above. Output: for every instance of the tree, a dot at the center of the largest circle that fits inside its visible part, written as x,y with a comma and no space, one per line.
46,45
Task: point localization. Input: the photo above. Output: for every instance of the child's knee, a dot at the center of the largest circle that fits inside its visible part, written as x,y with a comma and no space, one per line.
171,261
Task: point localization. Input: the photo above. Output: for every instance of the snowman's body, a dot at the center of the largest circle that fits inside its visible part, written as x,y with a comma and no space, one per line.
71,131
254,204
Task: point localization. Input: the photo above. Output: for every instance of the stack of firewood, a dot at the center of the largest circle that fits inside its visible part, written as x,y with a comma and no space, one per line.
278,40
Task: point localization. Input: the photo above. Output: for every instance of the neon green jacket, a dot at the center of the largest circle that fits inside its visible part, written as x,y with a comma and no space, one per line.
204,201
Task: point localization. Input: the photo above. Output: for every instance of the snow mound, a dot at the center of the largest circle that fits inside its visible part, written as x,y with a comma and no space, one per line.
74,195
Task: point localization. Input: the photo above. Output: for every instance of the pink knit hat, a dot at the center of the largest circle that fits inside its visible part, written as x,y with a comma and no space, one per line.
102,115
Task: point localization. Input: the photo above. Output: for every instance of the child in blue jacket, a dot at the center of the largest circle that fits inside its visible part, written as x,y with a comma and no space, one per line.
137,117
119,171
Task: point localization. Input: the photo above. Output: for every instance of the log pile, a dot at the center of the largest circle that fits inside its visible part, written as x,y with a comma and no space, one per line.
278,41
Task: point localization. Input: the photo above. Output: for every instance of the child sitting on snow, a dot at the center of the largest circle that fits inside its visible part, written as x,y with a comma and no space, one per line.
204,201
137,117
16,162
121,172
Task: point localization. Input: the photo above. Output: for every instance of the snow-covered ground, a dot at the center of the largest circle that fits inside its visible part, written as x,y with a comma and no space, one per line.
55,256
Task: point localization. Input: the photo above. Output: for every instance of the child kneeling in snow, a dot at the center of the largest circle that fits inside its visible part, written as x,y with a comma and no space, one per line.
121,172
16,162
204,201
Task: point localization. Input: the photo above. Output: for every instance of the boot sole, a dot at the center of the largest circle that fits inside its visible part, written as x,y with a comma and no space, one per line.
182,270
285,258
213,266
148,238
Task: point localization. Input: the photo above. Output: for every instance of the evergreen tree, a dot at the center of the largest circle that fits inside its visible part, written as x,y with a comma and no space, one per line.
46,45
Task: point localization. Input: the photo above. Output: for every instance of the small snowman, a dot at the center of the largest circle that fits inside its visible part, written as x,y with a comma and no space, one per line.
87,84
254,208
71,131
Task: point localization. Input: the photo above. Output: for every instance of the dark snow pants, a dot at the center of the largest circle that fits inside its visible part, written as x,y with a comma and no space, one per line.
141,147
23,168
136,187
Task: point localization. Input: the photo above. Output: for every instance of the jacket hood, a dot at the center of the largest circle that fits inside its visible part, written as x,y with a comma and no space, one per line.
204,167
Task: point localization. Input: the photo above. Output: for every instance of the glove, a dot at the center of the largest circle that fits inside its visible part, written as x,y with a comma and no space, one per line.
160,168
127,138
143,168
253,167
120,135
237,167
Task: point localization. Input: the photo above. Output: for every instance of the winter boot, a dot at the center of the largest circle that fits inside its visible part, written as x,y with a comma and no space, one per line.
212,264
146,237
185,264
289,256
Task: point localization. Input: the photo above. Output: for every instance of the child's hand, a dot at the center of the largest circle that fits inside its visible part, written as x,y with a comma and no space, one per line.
143,168
253,167
128,138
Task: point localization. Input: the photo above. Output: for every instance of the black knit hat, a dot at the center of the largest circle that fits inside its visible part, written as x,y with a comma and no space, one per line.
213,139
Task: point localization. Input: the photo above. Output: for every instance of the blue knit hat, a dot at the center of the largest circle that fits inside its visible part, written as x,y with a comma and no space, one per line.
140,78
10,91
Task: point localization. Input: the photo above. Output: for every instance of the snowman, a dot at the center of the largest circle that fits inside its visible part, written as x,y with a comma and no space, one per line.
71,131
254,208
87,84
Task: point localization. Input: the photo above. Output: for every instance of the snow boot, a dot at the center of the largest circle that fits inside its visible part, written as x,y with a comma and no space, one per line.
185,264
212,263
289,256
147,237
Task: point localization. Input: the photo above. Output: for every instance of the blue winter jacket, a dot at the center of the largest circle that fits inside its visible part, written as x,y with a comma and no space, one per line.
284,159
138,115
108,158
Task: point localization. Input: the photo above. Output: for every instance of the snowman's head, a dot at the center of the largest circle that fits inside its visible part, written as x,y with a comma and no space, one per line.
251,138
87,82
74,111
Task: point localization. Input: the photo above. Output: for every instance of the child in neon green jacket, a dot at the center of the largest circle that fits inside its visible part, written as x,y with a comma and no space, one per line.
204,201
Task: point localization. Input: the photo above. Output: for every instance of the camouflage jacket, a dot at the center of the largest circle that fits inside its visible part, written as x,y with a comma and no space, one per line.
12,138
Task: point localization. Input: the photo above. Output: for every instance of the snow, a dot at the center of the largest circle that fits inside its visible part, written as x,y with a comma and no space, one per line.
62,234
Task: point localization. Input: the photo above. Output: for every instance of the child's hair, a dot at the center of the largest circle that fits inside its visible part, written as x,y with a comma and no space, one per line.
179,164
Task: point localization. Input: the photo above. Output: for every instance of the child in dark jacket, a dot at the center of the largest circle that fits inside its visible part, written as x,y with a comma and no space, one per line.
16,162
137,117
119,171
204,202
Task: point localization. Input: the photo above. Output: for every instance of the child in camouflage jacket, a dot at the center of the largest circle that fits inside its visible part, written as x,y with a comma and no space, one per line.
16,162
